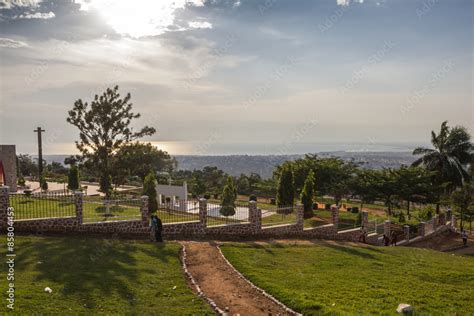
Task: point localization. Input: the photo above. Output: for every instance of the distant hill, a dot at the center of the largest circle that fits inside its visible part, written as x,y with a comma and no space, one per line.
264,164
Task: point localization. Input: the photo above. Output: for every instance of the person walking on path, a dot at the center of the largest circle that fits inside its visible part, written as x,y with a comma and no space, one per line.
393,239
464,238
386,240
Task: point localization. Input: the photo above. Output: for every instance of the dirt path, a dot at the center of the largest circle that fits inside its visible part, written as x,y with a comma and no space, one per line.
222,284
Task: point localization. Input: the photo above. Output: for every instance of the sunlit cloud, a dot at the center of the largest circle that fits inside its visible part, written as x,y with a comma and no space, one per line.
9,4
200,25
141,18
37,15
9,43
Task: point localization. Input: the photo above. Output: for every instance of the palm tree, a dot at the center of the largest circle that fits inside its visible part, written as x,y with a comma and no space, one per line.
451,156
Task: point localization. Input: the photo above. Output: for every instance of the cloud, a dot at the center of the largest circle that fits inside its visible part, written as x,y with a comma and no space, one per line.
200,25
9,43
348,2
149,18
36,15
10,4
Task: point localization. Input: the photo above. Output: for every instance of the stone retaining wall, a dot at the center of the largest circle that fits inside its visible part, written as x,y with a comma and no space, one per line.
193,229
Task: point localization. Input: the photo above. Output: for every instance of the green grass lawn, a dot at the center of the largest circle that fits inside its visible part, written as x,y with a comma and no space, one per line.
335,279
99,276
93,210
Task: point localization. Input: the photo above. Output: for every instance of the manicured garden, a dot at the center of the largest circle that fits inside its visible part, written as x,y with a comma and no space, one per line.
99,276
329,278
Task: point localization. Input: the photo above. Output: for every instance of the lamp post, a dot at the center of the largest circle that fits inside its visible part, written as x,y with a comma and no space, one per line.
40,152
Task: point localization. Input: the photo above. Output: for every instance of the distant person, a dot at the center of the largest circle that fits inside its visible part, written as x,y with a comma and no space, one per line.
159,229
153,227
464,238
386,240
393,239
156,228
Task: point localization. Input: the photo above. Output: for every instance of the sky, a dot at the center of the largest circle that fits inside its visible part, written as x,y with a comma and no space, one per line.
241,77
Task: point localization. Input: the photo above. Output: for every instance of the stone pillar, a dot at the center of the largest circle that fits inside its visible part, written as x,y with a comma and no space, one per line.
365,219
422,229
78,201
406,230
145,209
4,204
453,221
442,219
300,216
255,216
203,212
387,227
335,216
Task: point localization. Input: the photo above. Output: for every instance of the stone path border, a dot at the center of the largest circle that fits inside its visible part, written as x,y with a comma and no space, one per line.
269,296
196,286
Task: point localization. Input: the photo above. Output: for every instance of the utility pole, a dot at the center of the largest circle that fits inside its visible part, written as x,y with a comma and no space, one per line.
40,152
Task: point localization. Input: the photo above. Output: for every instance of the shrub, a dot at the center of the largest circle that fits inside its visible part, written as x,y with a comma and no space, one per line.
21,181
253,198
43,184
228,198
73,179
349,209
307,195
149,189
401,218
327,206
355,209
207,196
315,206
272,201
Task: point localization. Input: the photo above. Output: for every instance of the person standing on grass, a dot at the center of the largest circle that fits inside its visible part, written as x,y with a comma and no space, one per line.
464,238
153,227
159,229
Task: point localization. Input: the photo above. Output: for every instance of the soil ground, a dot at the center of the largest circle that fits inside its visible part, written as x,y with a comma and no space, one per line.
220,282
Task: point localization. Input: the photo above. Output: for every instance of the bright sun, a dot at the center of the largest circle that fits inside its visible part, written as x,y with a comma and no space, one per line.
138,18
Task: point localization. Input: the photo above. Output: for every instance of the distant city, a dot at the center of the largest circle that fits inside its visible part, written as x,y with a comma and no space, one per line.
265,164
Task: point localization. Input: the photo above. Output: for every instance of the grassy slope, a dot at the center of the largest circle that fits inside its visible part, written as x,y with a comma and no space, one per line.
90,275
338,279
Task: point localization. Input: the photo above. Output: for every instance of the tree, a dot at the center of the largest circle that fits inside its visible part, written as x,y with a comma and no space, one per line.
73,179
414,185
243,184
286,190
452,153
149,189
229,195
138,159
198,186
463,199
307,195
104,126
26,165
364,186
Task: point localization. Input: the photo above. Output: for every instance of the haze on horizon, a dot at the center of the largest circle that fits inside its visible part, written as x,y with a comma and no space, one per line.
229,76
